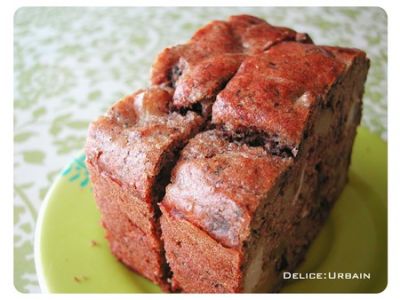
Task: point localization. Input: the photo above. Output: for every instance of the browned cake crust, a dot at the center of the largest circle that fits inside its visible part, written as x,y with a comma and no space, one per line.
201,68
283,86
247,197
217,185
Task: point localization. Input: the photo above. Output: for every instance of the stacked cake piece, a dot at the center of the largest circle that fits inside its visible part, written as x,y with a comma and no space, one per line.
218,176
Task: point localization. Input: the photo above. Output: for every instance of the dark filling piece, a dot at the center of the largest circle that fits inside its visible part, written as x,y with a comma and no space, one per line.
174,74
196,108
253,138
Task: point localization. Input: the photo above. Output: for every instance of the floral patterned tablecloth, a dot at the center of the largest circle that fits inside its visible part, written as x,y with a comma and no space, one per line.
72,63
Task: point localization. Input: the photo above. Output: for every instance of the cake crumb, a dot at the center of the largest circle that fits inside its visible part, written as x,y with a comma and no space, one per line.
94,243
80,278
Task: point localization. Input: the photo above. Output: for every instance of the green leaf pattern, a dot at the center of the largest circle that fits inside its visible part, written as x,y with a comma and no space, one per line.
77,172
72,63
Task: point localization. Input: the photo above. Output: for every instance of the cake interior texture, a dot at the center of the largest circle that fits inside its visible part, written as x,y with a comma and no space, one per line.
219,176
130,152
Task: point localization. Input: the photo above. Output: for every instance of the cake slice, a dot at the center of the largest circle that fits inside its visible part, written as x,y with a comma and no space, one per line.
208,211
246,200
131,150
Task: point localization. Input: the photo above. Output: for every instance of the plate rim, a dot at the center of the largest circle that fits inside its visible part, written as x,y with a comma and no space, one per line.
37,249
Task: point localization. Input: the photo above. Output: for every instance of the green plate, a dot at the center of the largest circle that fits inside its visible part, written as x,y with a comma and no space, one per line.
72,255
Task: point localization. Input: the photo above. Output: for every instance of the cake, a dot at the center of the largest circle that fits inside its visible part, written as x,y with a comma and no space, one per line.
218,176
